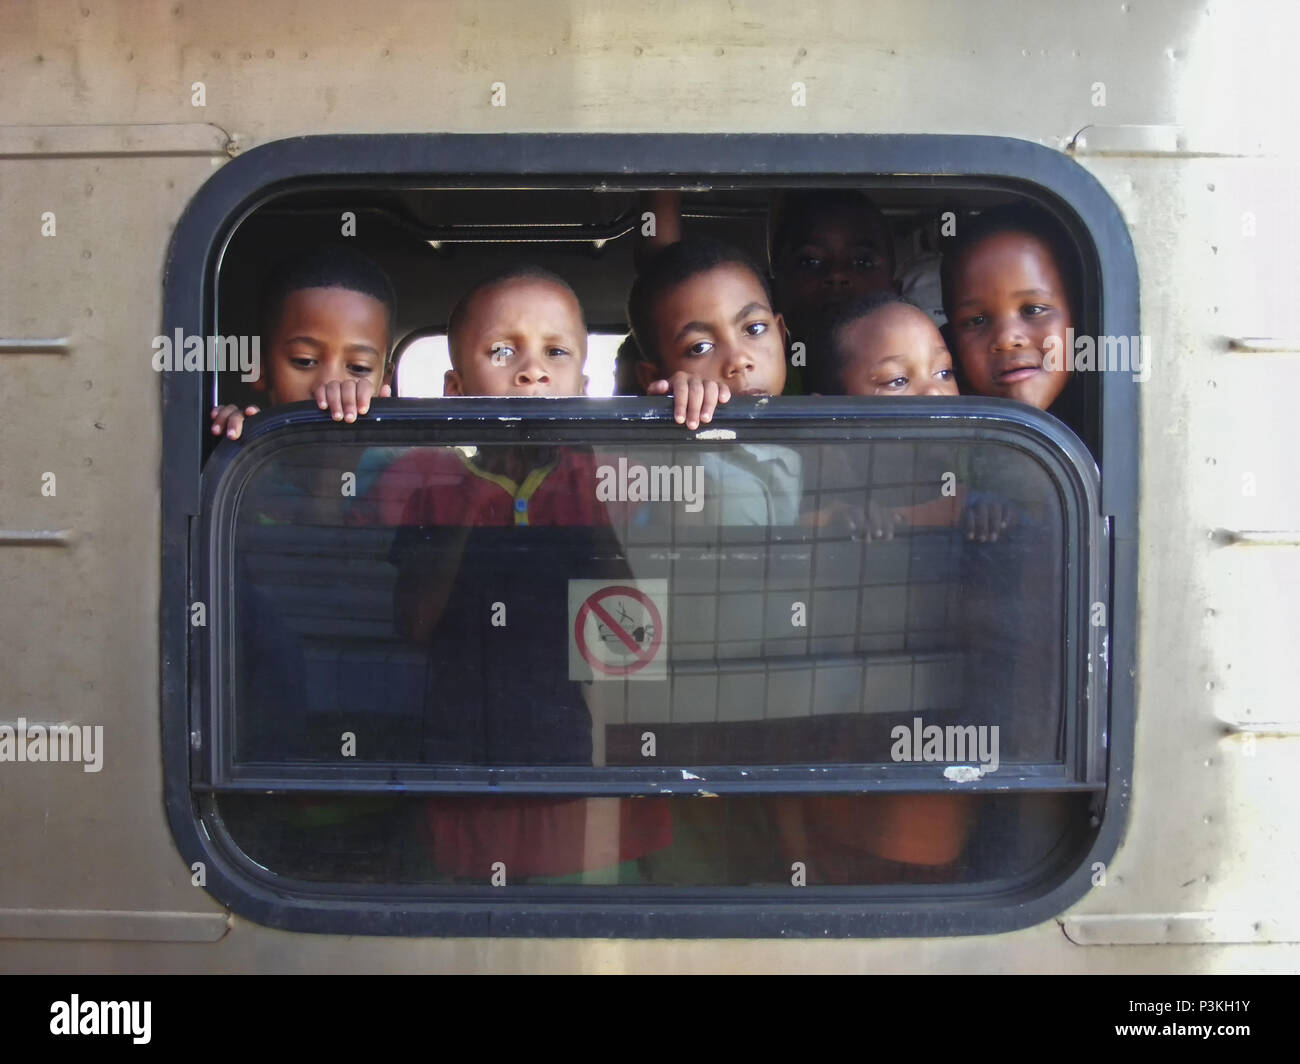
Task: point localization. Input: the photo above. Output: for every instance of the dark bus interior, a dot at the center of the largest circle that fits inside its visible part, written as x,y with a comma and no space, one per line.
435,243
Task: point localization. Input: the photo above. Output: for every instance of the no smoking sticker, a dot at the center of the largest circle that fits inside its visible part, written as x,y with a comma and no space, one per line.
617,630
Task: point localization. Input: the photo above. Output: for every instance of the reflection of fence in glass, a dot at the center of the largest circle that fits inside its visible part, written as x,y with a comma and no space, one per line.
803,638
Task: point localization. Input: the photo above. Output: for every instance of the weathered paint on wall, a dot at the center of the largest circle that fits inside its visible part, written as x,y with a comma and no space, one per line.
1212,830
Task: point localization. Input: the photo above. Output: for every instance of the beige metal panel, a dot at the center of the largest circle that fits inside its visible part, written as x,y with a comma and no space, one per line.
78,623
1252,627
1045,950
1213,845
1211,69
1210,831
1146,929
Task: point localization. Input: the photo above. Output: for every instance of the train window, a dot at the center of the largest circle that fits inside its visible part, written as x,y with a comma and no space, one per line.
785,618
827,666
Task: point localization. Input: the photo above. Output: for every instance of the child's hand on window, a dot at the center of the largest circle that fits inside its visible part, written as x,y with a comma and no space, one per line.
838,518
228,420
986,519
875,521
882,519
346,399
694,398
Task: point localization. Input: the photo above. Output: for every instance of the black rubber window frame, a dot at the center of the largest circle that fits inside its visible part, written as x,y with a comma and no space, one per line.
592,161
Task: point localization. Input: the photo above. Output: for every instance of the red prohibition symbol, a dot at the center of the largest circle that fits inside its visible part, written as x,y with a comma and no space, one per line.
642,642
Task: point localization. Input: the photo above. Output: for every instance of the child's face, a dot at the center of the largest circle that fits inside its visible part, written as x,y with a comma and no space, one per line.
1008,298
521,337
843,255
718,326
325,334
896,350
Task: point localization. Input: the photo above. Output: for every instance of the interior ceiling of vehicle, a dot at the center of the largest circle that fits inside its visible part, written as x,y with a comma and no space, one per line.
435,243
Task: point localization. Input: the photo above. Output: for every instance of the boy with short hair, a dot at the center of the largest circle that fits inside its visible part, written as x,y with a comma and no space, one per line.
1011,290
517,333
826,247
327,324
520,332
491,538
701,311
880,344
